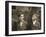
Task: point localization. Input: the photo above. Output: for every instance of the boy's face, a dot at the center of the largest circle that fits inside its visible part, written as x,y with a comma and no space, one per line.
22,17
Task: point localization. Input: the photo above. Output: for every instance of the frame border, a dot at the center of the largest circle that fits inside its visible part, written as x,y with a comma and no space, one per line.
7,17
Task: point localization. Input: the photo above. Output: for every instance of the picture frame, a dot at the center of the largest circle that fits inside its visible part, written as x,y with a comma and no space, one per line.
11,8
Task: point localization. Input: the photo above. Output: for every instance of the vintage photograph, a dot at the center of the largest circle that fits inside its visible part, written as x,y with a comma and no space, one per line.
26,18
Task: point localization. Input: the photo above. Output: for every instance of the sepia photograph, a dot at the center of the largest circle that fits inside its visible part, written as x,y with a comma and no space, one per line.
24,18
